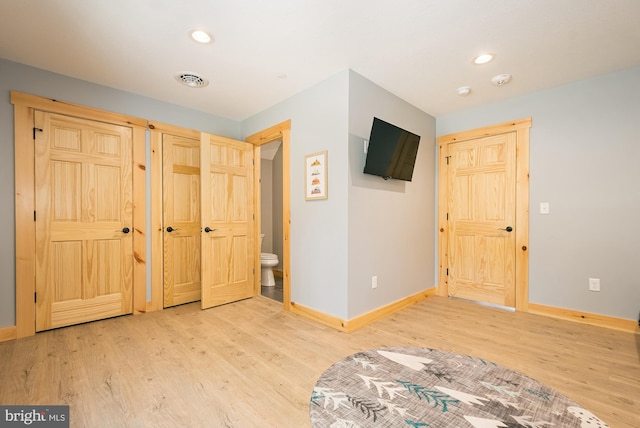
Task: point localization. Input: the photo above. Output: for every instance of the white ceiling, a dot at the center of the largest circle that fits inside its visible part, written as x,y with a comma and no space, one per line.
420,50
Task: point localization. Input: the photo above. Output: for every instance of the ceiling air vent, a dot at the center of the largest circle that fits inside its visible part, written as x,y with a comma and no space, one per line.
191,80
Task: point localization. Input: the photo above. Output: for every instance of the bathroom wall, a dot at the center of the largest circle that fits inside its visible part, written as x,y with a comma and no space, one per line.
266,204
271,199
585,153
278,232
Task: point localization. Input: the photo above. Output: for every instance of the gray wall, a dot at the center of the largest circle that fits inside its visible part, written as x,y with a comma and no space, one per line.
391,223
585,161
18,77
367,226
266,205
277,205
319,121
271,204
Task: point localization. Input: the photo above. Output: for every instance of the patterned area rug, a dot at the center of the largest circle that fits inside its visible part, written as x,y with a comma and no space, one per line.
420,387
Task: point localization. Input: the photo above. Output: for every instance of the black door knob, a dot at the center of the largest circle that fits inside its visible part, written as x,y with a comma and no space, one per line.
126,230
208,229
169,229
508,229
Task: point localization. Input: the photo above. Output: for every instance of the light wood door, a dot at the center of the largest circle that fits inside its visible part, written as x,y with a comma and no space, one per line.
482,214
84,216
181,232
227,220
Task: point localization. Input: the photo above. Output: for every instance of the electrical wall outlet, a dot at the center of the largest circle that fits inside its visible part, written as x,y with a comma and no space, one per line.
544,207
374,282
594,284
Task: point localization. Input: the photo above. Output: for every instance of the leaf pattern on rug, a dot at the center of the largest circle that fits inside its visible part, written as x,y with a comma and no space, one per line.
504,390
366,364
540,394
368,408
381,386
439,374
336,397
416,424
438,398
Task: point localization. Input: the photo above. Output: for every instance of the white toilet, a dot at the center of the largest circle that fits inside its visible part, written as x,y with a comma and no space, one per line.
267,262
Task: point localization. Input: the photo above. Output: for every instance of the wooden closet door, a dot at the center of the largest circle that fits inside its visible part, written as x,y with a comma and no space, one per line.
84,220
227,220
181,210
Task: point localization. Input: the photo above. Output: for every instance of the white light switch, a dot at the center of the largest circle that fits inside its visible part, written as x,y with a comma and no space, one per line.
544,207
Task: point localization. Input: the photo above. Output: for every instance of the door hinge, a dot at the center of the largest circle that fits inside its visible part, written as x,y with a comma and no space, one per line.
34,216
447,158
447,271
447,216
36,130
35,297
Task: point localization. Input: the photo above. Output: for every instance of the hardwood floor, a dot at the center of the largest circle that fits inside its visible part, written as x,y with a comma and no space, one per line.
252,364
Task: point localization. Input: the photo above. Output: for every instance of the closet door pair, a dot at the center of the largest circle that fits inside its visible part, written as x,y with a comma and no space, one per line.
208,219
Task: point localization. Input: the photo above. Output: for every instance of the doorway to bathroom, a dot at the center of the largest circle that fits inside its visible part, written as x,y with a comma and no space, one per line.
280,132
271,219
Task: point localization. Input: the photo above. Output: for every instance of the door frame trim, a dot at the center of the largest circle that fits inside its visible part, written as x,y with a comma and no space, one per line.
281,131
25,226
521,128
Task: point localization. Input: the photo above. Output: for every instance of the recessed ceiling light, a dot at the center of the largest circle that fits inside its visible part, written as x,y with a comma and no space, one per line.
483,59
191,80
201,36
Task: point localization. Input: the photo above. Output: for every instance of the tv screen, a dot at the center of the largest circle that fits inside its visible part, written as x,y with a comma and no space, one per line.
392,151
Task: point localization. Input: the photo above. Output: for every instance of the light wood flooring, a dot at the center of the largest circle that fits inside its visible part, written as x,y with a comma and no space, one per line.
250,364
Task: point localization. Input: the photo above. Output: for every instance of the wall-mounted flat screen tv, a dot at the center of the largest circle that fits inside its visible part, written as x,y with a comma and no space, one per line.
392,151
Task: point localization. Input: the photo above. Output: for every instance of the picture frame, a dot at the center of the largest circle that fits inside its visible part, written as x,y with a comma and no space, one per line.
316,176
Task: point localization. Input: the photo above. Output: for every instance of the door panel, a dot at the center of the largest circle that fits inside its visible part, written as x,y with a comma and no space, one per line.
84,260
181,199
482,189
227,209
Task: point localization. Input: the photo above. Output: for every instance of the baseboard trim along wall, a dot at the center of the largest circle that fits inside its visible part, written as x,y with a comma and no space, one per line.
348,326
8,333
622,324
360,321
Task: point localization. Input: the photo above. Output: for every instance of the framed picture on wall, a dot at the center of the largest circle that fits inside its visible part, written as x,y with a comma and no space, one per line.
315,176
